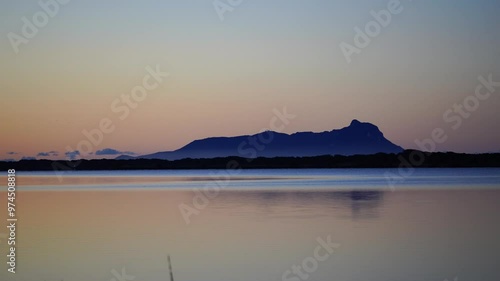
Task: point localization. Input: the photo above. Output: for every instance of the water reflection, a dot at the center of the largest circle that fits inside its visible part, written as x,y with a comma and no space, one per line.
258,234
361,204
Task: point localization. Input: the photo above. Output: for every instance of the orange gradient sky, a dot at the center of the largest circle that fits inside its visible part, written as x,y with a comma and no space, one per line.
226,77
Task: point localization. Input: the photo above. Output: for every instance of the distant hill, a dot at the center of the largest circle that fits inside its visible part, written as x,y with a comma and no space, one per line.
358,138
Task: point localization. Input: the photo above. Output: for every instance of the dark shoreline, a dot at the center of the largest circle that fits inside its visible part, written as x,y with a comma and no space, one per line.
380,160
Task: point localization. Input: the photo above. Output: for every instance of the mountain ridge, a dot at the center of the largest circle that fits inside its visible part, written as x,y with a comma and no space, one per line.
357,138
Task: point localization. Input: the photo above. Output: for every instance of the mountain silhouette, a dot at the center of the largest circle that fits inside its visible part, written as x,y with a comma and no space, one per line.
357,138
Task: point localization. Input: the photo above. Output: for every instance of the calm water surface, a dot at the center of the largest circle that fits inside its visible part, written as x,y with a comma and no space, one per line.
434,224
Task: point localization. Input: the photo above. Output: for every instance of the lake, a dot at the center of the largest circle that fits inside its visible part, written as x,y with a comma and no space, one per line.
256,225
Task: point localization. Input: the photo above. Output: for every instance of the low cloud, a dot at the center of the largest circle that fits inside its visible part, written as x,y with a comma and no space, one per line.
12,153
28,158
72,154
110,151
48,153
9,160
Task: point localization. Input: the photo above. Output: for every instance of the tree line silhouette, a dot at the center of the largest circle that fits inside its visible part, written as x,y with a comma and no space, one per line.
379,160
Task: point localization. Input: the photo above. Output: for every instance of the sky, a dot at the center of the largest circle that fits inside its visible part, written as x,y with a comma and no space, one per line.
231,67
